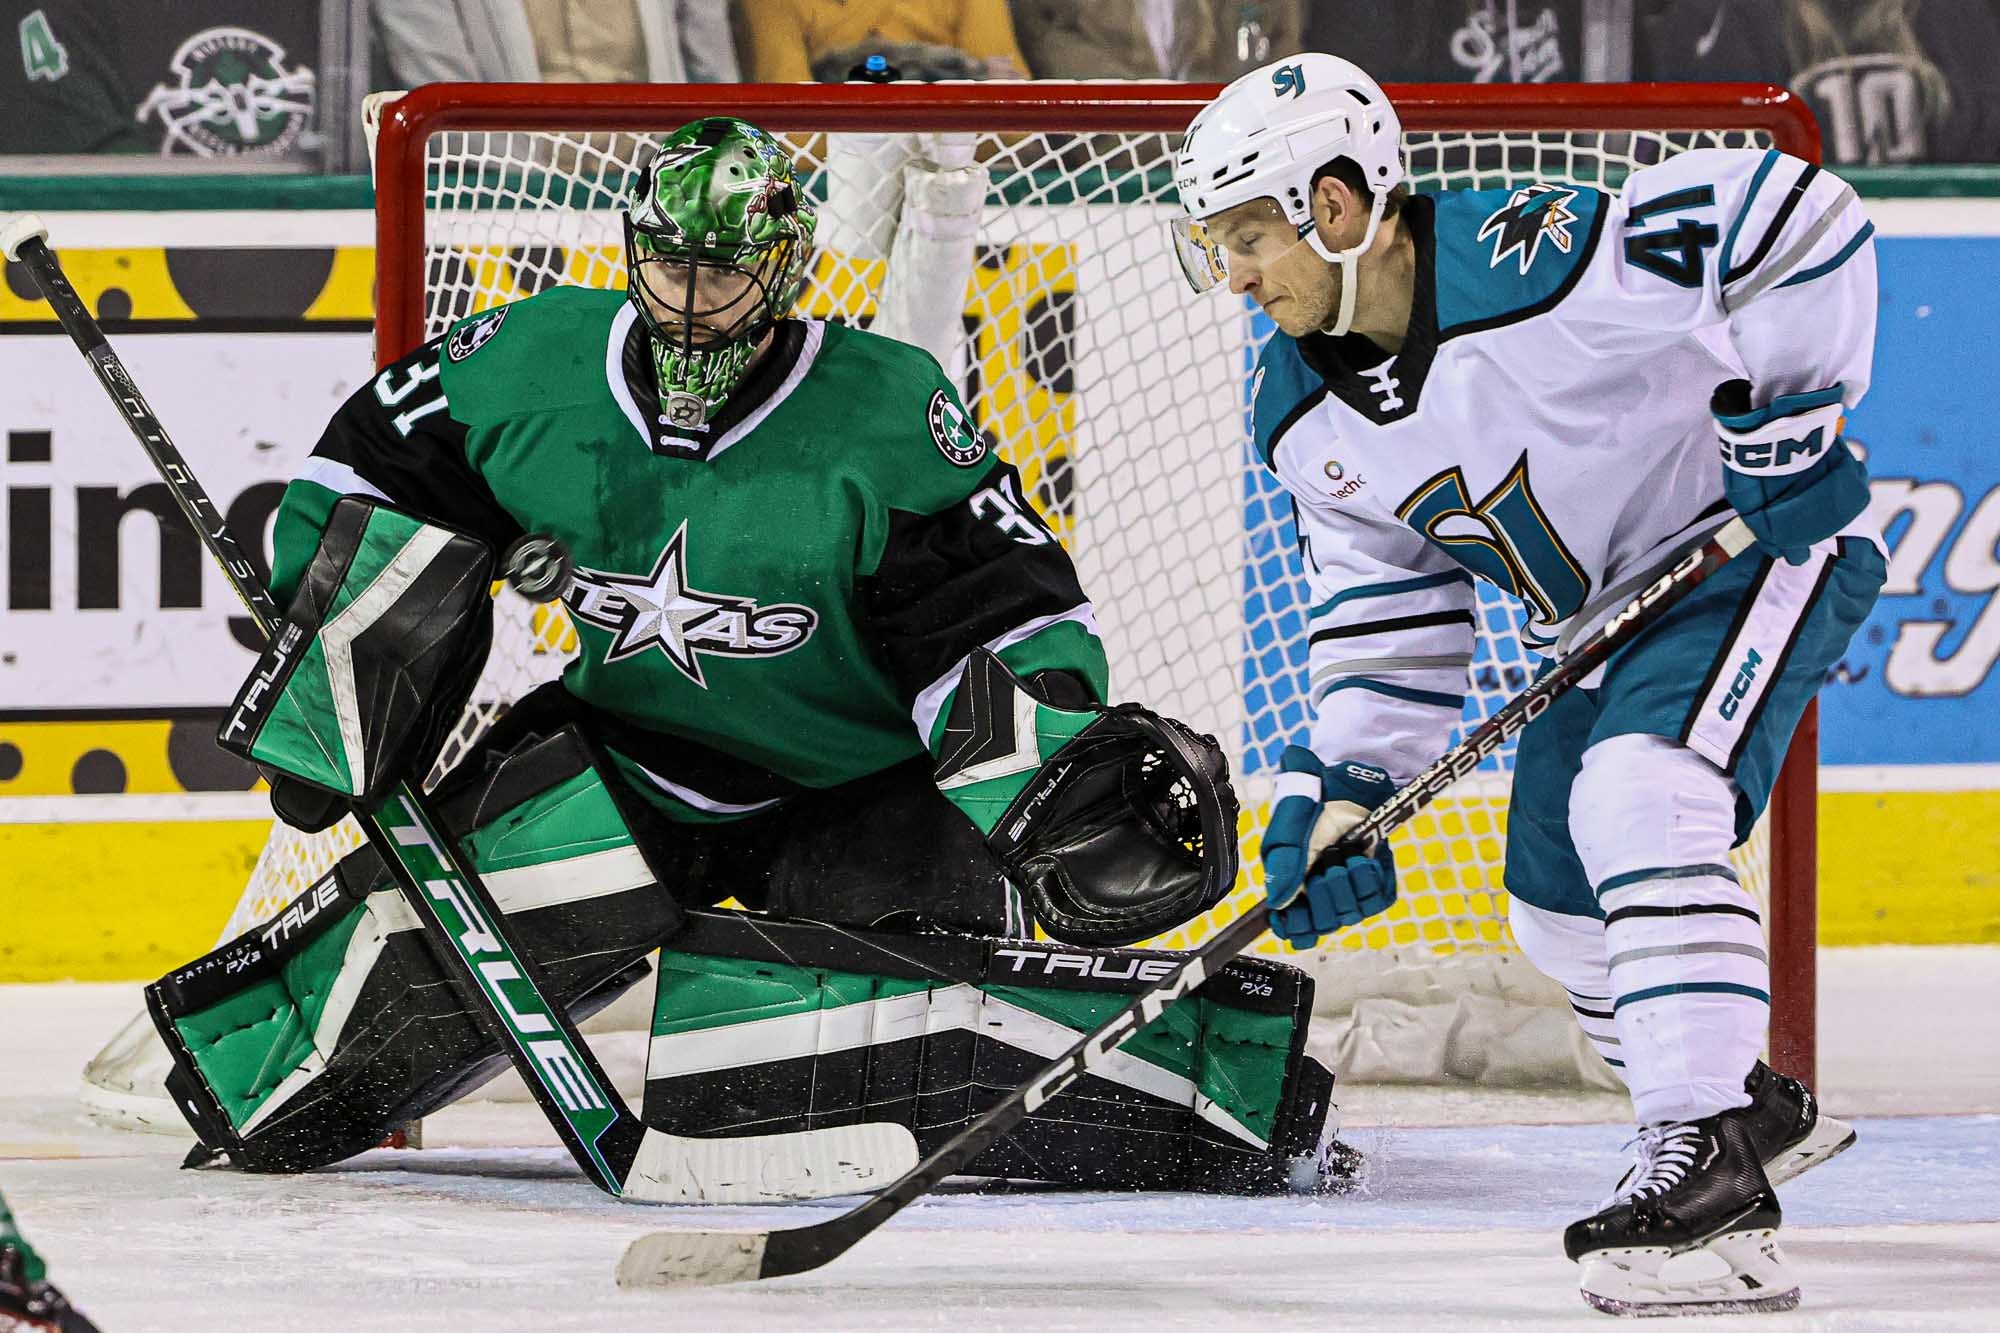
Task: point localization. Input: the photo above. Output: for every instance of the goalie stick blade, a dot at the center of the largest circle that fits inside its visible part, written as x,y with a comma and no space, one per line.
770,1168
693,1259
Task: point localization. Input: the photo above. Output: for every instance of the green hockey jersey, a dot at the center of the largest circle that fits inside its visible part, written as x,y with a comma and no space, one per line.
780,600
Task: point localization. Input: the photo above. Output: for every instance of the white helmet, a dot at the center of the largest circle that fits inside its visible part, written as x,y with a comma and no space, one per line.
1264,136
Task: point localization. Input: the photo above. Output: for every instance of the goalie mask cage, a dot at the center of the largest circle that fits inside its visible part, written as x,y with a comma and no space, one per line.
1123,400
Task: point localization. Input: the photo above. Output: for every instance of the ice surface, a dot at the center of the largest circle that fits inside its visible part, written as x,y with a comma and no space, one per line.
1453,1228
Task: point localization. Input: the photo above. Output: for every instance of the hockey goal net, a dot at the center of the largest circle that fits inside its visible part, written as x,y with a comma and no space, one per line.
1048,289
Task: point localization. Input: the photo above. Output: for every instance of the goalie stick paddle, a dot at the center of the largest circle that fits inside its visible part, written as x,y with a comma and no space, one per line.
703,1258
501,985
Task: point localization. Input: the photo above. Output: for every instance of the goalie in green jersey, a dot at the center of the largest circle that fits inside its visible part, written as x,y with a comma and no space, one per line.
831,666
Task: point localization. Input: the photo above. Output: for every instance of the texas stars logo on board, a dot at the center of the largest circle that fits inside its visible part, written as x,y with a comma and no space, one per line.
1534,211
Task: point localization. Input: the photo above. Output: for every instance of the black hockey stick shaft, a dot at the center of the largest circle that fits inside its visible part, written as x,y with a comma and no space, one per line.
798,1249
455,907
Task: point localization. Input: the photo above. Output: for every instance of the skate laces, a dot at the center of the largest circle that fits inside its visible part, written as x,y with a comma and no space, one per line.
1662,1155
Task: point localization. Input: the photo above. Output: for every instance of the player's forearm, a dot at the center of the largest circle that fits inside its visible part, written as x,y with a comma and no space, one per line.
395,440
1389,649
1377,722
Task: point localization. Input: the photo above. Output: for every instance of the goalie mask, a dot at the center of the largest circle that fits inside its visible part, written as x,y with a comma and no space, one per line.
717,241
1265,136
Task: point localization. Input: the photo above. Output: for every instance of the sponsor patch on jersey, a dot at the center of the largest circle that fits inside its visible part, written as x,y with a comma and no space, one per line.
469,338
661,611
957,438
1532,213
1340,486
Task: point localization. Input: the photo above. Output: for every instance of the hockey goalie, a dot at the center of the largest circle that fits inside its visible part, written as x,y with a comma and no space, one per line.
833,667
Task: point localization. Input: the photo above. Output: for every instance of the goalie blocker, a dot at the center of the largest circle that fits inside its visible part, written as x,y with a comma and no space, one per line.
379,649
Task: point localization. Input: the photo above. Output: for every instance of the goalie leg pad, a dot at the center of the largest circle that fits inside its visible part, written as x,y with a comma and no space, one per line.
307,1039
765,1026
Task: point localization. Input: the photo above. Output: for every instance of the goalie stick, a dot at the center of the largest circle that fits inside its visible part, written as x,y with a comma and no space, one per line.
706,1257
500,984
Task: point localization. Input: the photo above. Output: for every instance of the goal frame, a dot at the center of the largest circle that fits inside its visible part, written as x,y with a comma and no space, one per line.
408,122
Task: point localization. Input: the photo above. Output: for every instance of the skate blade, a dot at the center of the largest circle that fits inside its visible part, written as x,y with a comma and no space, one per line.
1738,1273
1829,1138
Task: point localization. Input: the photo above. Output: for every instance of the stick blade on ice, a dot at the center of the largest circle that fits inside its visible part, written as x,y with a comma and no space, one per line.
693,1259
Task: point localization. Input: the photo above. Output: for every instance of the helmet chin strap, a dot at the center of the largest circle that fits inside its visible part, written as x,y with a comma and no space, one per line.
1346,259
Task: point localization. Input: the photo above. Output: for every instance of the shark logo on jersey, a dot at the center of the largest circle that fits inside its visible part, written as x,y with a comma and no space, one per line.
1533,212
659,610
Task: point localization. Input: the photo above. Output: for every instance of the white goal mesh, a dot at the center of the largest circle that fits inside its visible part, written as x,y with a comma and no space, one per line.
1122,399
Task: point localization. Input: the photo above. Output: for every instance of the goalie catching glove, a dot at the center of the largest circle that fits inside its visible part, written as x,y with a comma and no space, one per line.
1116,823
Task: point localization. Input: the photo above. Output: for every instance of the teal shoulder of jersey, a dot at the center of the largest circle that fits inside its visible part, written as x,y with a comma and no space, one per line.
543,352
1503,256
1283,389
924,450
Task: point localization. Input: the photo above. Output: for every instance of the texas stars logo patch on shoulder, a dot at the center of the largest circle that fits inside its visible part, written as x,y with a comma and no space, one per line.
957,438
469,338
1533,212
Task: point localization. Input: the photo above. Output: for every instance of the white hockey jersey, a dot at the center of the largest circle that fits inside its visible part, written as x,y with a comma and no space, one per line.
1545,426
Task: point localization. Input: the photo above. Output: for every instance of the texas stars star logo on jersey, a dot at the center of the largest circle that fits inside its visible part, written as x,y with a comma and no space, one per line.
1533,212
660,611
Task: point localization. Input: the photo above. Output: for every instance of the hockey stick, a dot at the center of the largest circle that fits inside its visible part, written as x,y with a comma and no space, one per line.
500,984
700,1258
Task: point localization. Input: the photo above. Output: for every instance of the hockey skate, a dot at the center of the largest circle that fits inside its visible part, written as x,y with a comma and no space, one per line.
1692,1231
1791,1133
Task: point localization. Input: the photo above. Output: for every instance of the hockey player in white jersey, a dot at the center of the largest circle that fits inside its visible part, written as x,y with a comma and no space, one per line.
1557,390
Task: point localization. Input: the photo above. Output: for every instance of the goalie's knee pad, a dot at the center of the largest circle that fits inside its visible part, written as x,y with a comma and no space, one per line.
309,1038
764,1026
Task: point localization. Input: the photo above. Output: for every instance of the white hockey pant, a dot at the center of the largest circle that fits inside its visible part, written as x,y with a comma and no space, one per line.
1673,986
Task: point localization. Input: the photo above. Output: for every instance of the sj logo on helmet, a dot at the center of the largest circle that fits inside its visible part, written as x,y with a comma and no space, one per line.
1288,81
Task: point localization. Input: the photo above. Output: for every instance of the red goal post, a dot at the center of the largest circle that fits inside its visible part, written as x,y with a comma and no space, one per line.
408,123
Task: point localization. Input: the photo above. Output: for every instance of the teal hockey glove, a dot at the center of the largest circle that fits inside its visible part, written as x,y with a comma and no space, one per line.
1785,468
1316,804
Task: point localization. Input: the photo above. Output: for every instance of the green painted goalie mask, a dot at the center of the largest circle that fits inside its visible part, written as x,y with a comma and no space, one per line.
717,240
